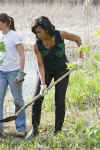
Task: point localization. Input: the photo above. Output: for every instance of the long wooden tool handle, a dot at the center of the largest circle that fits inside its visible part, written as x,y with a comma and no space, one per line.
38,96
14,117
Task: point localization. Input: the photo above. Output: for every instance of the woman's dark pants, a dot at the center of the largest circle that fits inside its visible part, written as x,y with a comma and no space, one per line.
60,92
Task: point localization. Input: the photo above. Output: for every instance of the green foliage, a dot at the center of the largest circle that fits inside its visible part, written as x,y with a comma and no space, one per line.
76,89
84,87
84,84
79,125
97,32
78,137
96,56
71,66
93,136
85,48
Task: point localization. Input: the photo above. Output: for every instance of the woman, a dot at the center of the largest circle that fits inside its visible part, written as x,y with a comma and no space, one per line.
12,61
50,52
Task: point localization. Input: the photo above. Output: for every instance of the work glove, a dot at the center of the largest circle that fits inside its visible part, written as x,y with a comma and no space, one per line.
20,77
43,89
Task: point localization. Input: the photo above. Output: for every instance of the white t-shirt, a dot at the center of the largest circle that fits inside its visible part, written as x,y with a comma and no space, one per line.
10,58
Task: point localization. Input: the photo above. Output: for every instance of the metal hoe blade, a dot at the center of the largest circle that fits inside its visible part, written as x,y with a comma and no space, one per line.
11,118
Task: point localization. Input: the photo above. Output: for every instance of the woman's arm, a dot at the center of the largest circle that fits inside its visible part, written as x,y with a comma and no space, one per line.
20,49
70,36
40,64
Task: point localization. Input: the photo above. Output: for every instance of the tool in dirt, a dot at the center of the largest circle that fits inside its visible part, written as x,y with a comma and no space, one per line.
14,117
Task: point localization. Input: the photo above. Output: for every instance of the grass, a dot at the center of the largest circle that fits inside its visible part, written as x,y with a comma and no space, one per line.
78,133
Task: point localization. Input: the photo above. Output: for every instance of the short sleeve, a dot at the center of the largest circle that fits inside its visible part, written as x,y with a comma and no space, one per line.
17,39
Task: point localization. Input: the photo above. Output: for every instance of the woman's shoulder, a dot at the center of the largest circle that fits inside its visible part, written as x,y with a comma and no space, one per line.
13,32
58,35
39,44
15,36
57,31
38,41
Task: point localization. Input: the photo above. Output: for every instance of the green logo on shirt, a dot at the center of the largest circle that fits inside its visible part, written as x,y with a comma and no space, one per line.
2,46
2,51
61,52
44,53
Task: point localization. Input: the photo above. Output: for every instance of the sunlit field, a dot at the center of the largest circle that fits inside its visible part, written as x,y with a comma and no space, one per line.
81,130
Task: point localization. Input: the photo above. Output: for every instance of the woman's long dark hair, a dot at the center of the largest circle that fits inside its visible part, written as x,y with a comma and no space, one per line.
7,19
45,24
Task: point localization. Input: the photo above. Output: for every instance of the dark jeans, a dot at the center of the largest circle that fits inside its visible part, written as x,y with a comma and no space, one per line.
60,91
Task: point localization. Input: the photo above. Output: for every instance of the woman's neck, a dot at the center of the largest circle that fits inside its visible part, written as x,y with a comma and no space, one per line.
5,31
47,37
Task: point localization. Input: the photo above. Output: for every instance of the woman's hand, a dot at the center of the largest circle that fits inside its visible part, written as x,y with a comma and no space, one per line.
78,41
43,89
20,77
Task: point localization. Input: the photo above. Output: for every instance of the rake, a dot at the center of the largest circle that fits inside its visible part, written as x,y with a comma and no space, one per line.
14,117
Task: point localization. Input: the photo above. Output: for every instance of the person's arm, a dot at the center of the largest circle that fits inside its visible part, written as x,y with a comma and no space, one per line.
20,76
40,64
20,49
72,37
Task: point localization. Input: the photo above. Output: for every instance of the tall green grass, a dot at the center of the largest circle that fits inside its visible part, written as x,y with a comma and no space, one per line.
83,88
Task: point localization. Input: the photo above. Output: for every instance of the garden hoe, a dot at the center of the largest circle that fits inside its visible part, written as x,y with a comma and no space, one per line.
14,117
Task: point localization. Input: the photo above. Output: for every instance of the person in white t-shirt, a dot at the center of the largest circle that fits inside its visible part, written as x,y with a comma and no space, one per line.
12,60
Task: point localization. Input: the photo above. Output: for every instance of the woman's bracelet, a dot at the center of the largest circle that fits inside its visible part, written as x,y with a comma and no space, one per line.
43,83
